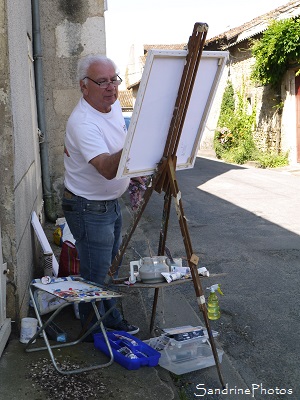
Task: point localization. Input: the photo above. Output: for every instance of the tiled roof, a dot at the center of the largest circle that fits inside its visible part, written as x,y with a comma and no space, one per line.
126,99
132,85
256,25
164,46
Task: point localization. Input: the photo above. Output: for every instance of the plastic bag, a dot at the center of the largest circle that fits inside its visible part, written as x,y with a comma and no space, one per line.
68,261
62,232
46,302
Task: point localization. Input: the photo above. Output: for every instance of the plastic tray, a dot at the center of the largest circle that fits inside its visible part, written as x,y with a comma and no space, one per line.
119,340
189,356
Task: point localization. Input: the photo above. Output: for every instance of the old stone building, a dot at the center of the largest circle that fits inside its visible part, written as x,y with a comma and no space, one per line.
40,44
275,110
276,114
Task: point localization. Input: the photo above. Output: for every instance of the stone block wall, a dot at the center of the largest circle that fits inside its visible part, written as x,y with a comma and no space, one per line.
70,30
263,98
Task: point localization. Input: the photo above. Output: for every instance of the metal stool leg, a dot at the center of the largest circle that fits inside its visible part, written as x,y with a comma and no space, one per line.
49,347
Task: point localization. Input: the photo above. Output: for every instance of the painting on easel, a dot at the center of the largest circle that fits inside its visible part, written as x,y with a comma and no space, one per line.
175,96
154,106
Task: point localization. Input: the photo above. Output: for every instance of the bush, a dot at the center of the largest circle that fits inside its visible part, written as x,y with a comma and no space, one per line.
233,140
271,160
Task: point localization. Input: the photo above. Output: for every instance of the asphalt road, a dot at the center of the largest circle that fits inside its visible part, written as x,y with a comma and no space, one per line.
244,223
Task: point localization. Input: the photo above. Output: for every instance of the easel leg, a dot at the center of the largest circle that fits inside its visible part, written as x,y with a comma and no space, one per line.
126,239
192,260
161,249
164,223
154,305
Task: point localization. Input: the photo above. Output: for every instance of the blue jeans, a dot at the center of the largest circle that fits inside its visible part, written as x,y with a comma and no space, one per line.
96,227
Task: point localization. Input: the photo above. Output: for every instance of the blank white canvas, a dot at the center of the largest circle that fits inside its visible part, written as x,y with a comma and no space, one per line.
154,107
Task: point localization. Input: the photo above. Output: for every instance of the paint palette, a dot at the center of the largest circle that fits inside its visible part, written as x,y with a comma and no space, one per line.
75,289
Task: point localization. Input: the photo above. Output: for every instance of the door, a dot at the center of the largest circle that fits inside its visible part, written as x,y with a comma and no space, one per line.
297,89
5,323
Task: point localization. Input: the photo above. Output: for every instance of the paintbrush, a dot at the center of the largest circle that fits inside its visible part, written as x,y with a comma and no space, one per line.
168,253
150,250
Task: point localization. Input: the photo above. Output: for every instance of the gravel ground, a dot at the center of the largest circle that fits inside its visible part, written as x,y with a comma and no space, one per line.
65,387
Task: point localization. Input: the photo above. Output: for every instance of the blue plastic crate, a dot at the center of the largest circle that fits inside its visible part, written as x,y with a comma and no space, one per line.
122,342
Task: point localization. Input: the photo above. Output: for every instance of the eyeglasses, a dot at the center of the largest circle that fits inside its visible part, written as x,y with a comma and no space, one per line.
105,84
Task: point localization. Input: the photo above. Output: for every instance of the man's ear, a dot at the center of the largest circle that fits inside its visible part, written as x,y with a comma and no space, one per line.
83,86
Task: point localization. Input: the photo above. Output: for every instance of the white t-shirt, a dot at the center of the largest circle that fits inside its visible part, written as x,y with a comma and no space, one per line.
88,134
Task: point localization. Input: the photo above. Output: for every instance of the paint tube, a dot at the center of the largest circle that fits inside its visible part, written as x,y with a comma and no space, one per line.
125,338
203,271
182,270
171,276
186,271
126,352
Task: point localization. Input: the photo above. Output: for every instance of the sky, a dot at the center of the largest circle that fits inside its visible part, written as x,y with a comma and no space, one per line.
140,22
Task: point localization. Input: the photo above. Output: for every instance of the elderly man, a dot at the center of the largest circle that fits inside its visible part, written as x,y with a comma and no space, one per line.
95,136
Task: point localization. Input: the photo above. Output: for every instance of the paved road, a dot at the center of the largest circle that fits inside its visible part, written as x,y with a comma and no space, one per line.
245,223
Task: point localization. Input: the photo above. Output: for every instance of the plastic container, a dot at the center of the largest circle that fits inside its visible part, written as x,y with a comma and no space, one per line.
28,329
190,355
128,351
213,308
149,269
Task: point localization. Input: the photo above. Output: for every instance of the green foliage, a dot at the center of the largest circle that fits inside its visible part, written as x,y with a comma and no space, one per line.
271,160
233,141
227,106
279,46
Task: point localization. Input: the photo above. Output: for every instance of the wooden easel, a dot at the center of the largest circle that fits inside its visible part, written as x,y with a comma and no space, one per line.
164,179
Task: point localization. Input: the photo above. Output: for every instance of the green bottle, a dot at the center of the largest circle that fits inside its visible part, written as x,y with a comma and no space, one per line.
213,308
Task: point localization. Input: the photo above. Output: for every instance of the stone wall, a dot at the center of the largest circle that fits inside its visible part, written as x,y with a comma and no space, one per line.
21,188
7,206
275,110
262,98
69,30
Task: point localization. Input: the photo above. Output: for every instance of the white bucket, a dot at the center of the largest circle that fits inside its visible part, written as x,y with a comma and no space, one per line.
28,329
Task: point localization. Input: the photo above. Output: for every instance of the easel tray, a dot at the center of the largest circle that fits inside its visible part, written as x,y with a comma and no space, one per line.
141,285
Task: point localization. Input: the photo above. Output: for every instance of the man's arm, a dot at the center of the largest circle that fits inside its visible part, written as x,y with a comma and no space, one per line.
107,164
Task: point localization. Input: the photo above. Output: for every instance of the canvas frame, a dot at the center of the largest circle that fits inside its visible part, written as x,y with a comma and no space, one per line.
154,107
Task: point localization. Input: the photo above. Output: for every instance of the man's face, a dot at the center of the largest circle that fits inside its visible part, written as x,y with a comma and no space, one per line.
99,98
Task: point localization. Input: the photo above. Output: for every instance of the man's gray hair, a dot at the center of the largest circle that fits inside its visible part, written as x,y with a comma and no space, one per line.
85,62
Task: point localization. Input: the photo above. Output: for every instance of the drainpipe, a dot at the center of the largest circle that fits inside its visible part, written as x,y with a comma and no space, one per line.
39,87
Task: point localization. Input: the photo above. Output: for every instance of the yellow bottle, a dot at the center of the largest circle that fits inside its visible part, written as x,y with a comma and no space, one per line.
213,308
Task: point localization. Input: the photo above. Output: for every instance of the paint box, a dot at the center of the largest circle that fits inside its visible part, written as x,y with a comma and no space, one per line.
128,351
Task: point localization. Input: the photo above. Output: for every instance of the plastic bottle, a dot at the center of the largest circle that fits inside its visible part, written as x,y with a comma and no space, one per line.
213,309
